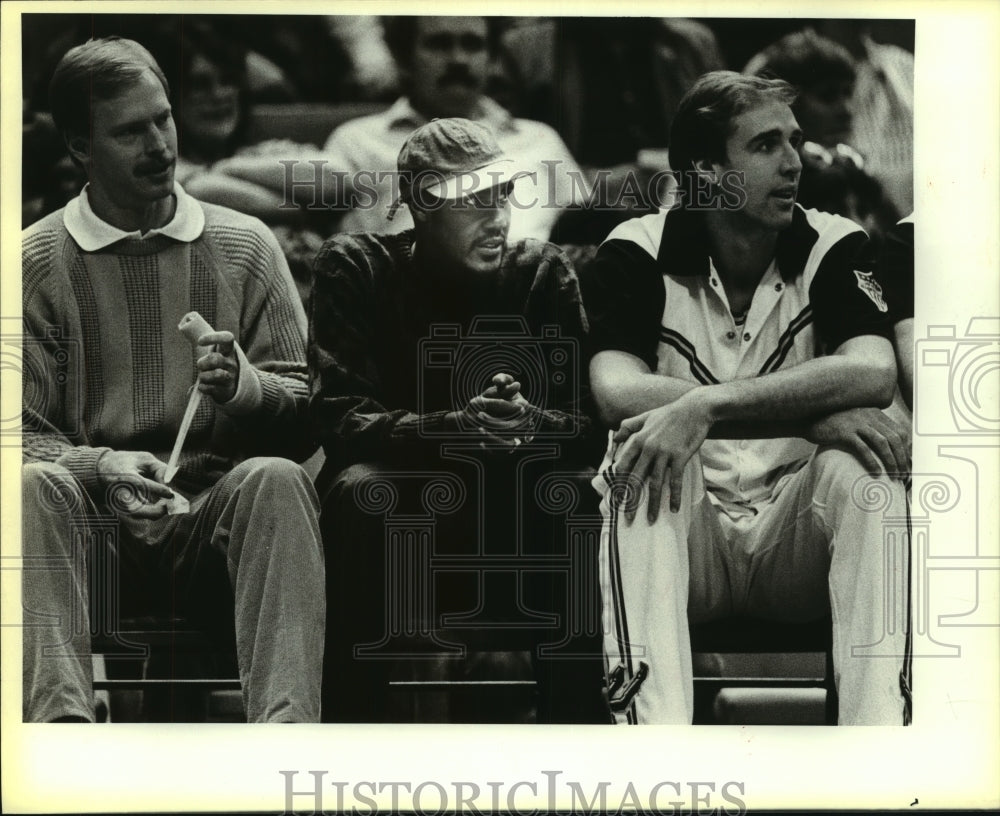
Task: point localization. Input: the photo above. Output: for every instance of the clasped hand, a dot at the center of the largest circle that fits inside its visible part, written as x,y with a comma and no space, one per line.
502,415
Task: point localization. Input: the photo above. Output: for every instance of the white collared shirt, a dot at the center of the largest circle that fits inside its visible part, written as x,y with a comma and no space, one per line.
93,234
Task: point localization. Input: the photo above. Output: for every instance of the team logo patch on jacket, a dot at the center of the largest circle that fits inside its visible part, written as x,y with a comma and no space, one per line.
868,285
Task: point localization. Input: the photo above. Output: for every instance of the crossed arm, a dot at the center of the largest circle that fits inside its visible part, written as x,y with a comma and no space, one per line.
834,400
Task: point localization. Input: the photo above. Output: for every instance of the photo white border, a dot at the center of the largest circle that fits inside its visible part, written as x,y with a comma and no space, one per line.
947,759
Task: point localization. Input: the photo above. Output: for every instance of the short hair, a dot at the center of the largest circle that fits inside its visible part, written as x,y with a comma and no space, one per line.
704,119
803,59
400,34
99,69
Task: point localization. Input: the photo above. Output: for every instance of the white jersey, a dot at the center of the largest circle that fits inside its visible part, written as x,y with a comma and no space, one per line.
699,340
765,528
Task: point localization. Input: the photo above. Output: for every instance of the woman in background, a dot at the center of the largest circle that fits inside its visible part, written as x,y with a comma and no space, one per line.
217,164
833,178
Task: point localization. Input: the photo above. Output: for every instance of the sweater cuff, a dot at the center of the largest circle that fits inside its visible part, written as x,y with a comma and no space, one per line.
81,461
273,393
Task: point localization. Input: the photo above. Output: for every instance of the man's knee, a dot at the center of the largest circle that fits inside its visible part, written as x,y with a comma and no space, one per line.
281,509
627,494
359,486
838,469
267,474
841,480
48,487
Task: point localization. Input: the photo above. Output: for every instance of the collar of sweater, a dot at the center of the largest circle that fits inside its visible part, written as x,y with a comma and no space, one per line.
91,233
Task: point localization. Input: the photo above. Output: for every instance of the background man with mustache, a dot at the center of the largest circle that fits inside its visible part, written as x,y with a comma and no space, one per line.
385,417
107,374
742,361
443,64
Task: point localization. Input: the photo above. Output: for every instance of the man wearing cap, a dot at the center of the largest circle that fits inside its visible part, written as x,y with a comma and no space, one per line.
443,64
415,377
107,376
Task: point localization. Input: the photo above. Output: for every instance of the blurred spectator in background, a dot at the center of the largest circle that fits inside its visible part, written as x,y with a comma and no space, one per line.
835,180
211,106
882,104
823,73
443,66
834,177
610,86
372,71
310,63
217,165
48,177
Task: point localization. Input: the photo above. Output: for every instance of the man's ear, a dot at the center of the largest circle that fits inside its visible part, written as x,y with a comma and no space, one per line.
707,170
78,147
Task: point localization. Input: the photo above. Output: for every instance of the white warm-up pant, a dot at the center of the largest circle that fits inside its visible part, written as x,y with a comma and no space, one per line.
827,542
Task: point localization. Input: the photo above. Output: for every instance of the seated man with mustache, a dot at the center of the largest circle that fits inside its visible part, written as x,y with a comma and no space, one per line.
741,359
107,376
416,339
443,64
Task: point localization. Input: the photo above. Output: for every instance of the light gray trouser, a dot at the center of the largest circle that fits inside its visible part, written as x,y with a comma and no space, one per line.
259,524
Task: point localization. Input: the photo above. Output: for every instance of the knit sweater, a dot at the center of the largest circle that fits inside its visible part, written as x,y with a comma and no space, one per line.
106,368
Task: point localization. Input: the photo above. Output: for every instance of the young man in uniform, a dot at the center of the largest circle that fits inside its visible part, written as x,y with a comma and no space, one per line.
106,281
415,341
742,363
